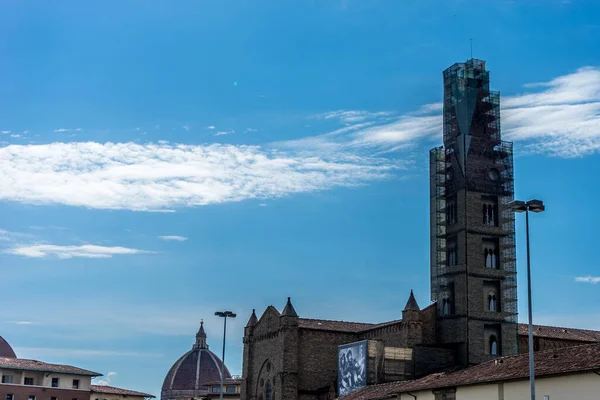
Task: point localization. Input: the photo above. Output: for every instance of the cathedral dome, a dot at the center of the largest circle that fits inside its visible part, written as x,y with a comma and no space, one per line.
189,375
5,349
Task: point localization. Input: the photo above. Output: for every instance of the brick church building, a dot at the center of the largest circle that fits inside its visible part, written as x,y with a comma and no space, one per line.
473,315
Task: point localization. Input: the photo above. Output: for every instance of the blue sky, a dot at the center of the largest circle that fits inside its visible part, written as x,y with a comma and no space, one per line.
160,161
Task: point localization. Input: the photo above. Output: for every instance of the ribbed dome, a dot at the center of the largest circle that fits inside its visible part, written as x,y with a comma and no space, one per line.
5,349
187,377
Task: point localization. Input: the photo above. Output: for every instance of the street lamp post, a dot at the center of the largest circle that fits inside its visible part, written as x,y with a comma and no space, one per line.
224,314
535,206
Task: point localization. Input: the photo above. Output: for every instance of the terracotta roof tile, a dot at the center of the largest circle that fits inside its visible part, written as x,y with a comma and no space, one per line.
555,332
34,365
339,326
549,362
114,390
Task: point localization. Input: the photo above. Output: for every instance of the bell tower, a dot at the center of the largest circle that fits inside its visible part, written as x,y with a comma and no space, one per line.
473,265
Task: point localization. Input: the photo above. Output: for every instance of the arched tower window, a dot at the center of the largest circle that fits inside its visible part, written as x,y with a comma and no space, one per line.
491,253
492,303
446,306
489,209
452,253
268,391
493,345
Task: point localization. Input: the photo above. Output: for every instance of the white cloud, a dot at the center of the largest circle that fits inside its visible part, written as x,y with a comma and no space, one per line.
63,252
174,237
61,130
160,177
229,132
354,116
210,127
588,279
21,322
15,135
5,132
187,128
109,378
250,130
562,118
43,352
131,320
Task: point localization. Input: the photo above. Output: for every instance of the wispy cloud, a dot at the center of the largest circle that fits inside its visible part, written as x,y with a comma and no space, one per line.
131,320
250,130
221,133
174,238
59,130
42,352
560,117
210,127
156,177
185,127
588,279
22,322
354,116
63,252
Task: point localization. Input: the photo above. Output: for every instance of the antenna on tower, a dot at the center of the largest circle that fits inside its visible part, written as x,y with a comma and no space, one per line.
471,47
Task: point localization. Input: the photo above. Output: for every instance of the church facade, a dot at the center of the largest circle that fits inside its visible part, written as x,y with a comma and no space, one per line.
473,315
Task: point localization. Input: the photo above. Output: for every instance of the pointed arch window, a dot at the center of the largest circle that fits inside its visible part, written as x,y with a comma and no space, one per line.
268,391
446,306
491,253
452,253
489,210
492,302
493,345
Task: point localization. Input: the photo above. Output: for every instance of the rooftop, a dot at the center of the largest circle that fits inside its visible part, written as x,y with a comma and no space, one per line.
227,381
555,332
566,360
34,365
114,390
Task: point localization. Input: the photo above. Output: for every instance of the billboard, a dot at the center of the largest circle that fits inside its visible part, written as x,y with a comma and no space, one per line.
352,367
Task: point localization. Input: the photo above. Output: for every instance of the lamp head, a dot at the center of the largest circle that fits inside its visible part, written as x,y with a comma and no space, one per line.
536,206
518,206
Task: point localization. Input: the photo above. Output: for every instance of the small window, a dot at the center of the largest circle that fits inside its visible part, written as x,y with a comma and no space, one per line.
10,396
31,397
28,381
268,391
452,256
7,379
230,389
452,210
489,208
546,397
446,306
216,389
491,253
493,345
75,383
54,382
492,303
53,398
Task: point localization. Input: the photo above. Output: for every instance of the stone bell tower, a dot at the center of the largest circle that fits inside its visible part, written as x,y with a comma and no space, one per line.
473,265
